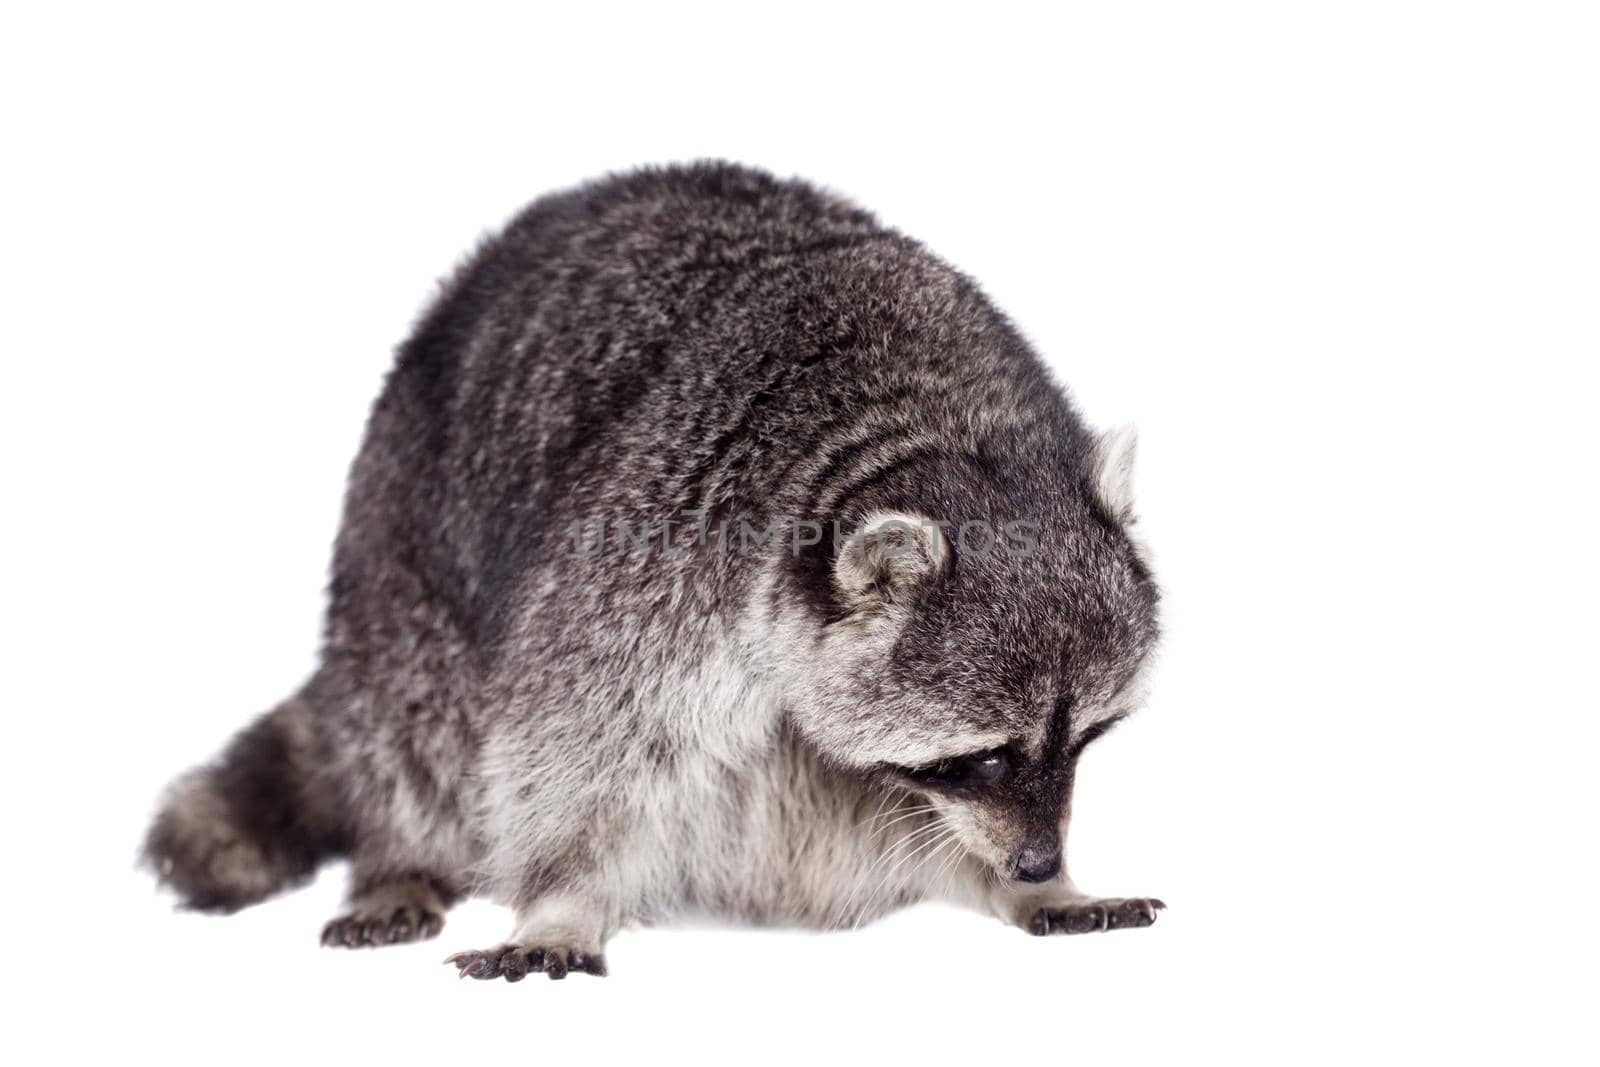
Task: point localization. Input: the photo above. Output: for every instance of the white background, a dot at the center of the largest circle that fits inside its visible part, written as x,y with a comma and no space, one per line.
1340,262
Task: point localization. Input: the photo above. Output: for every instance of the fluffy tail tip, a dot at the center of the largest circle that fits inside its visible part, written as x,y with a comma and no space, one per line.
197,848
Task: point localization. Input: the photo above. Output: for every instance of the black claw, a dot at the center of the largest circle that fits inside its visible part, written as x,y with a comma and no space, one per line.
555,965
473,965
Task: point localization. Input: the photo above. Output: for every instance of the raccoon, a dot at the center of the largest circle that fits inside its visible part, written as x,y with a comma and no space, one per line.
712,549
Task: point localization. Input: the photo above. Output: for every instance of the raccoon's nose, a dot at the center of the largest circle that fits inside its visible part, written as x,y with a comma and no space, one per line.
1036,863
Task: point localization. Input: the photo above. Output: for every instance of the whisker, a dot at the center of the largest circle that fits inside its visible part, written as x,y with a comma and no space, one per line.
865,878
956,854
902,817
887,796
951,867
888,876
889,850
894,815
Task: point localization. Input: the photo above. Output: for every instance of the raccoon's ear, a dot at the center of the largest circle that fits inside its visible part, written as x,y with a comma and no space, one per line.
890,559
1113,471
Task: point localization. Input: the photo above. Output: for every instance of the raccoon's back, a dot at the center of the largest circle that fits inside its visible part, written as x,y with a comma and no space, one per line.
692,340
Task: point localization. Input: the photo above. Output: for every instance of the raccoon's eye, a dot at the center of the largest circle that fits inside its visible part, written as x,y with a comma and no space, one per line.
964,772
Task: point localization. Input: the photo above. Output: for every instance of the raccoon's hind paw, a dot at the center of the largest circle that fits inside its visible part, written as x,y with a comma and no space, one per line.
397,927
392,913
1090,916
516,962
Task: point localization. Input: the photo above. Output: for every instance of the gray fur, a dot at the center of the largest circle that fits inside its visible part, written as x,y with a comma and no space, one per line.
607,738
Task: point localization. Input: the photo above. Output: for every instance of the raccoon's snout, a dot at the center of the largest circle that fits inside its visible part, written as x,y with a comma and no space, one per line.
1036,862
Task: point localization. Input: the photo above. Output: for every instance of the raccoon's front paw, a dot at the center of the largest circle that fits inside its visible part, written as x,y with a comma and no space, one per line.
1090,916
516,962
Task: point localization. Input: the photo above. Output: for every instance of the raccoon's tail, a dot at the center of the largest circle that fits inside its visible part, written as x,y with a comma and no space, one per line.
256,821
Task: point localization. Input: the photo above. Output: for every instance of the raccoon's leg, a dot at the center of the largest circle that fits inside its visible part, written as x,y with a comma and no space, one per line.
559,935
392,910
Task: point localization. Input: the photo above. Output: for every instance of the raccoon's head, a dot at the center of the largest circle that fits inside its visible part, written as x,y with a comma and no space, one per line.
977,678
